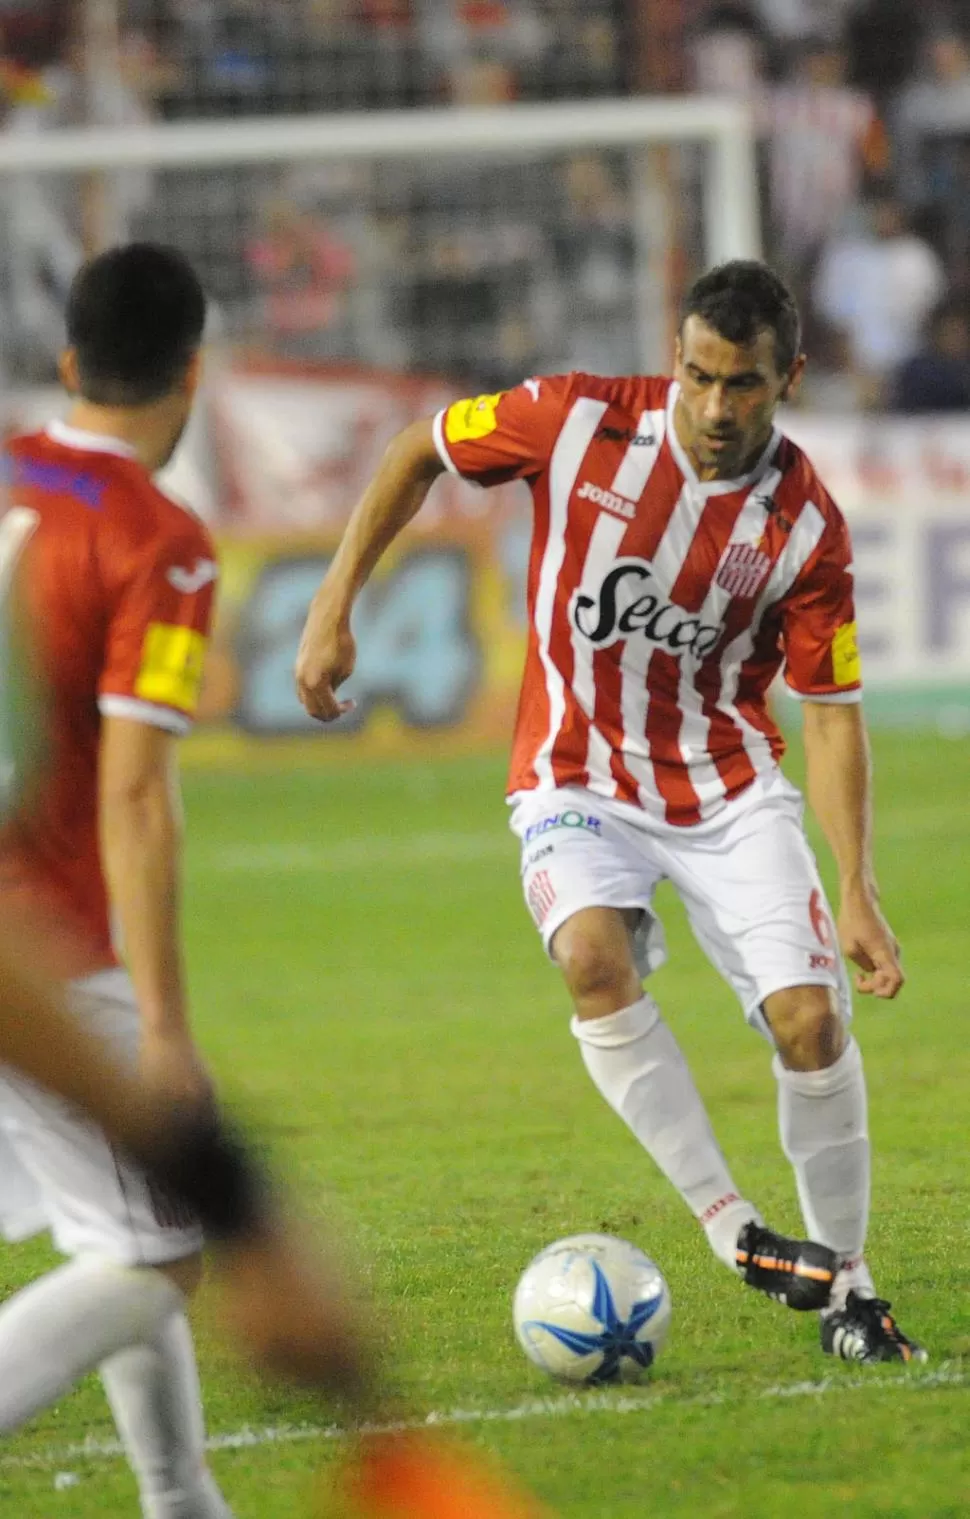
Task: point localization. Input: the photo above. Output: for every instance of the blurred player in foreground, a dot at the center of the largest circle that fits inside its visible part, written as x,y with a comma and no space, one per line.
117,585
684,550
99,670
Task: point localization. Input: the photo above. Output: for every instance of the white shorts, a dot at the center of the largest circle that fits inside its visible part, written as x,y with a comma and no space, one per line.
58,1172
747,877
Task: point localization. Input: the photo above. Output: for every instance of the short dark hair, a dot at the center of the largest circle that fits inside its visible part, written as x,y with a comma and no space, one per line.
135,317
741,299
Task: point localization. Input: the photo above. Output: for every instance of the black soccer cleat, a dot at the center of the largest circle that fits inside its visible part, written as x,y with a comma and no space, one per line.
864,1330
796,1272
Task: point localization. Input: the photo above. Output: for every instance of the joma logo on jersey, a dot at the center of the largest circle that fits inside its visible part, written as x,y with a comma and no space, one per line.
625,435
190,581
630,601
600,497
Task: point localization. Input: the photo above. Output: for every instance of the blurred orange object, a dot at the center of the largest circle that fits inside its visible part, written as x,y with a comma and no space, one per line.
420,1477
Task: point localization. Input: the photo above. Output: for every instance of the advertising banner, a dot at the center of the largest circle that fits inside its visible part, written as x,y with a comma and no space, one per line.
904,484
440,633
440,629
278,455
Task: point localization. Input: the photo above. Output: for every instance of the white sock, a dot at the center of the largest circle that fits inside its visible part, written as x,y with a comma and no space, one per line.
154,1394
64,1325
637,1065
822,1118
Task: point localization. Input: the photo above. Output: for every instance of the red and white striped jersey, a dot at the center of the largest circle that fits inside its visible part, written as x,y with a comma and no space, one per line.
660,607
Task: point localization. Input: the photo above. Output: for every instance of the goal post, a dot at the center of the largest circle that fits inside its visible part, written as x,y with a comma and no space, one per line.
680,177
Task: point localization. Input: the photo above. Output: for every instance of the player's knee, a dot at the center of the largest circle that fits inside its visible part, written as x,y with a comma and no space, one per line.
806,1025
593,952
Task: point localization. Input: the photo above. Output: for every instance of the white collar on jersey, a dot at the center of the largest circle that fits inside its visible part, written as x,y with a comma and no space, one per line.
90,442
714,487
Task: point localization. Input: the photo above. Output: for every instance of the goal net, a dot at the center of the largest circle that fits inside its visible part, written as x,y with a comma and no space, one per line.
468,244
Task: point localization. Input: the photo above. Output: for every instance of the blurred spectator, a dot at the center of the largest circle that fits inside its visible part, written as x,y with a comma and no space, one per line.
34,33
729,51
876,284
40,252
472,253
795,21
481,46
883,38
937,377
152,62
822,136
304,270
594,252
955,217
357,55
933,112
236,56
587,50
467,299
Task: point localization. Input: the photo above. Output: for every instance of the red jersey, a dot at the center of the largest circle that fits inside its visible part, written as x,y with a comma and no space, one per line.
660,607
118,582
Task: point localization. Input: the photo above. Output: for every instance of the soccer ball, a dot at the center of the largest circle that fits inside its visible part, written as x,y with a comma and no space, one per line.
592,1309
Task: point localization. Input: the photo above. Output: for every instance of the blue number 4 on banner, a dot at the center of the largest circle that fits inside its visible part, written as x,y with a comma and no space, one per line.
415,648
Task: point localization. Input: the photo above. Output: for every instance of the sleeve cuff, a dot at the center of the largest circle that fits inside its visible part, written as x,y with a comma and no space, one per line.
144,712
438,429
827,698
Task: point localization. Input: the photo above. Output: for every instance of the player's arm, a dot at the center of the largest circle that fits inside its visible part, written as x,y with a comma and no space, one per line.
141,853
822,668
488,439
395,495
160,594
840,794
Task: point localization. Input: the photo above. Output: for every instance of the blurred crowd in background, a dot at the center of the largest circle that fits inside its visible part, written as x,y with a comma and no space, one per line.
453,267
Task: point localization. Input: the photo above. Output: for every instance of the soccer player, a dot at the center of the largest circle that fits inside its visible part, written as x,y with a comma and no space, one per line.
684,551
117,582
284,1299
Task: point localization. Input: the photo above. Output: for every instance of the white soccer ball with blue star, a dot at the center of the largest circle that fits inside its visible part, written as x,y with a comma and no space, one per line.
592,1309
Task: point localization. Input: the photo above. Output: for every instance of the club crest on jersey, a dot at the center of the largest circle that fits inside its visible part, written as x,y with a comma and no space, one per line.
743,570
629,602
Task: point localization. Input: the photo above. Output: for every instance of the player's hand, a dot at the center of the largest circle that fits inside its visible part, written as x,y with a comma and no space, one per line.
172,1068
326,658
283,1301
869,942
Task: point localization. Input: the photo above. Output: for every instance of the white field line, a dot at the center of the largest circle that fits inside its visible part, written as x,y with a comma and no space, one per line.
408,851
566,1405
398,852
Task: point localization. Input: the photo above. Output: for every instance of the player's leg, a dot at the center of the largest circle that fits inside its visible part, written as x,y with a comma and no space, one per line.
822,1118
153,1389
118,1304
756,904
104,1310
590,892
823,1122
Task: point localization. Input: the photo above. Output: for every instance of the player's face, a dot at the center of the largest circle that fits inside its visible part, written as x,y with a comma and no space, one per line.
729,393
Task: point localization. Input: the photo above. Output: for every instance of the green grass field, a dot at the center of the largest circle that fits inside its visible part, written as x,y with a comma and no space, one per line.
366,979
